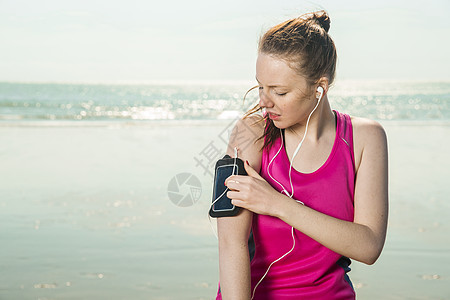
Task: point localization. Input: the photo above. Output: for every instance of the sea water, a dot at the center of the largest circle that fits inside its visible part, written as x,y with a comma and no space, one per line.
382,100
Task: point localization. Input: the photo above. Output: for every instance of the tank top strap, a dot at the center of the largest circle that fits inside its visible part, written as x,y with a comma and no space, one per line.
265,151
345,130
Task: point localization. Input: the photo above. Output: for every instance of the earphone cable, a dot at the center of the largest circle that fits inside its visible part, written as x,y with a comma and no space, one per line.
284,190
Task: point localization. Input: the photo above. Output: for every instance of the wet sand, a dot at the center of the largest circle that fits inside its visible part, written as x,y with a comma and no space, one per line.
85,213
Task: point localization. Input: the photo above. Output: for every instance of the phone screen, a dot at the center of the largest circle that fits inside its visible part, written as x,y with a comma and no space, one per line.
223,203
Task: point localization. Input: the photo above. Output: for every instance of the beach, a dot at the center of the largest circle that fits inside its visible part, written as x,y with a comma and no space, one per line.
113,115
86,212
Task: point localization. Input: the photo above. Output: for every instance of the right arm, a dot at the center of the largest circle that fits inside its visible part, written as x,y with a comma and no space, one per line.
233,232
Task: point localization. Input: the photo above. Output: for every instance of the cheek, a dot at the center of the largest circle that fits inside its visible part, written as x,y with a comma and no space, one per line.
291,106
296,109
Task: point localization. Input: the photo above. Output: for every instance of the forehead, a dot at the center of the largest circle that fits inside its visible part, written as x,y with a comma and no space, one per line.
274,71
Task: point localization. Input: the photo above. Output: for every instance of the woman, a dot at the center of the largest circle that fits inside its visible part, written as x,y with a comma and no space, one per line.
338,172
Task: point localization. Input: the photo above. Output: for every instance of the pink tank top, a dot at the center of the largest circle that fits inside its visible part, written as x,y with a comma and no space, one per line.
310,271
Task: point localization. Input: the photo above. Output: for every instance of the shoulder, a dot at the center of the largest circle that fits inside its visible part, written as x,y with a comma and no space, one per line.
252,123
250,129
247,136
369,137
367,129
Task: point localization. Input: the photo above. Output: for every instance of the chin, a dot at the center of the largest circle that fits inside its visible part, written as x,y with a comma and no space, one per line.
279,125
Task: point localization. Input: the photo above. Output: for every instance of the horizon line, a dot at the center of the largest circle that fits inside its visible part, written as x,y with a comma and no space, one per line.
202,82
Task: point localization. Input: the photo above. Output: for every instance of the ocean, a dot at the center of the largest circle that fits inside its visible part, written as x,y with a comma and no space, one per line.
91,208
388,100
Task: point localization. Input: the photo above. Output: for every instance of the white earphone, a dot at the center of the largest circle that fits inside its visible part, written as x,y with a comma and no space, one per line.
320,90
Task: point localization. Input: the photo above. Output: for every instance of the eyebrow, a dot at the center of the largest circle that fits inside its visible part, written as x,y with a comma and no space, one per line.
271,86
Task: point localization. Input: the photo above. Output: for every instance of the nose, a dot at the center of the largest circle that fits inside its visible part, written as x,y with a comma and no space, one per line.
264,99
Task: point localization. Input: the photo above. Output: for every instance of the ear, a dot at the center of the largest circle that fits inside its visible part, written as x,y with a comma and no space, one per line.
324,83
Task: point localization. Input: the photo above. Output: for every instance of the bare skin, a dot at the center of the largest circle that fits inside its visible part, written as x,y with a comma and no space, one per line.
285,93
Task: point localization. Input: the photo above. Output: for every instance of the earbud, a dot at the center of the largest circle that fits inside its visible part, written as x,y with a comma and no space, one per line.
320,90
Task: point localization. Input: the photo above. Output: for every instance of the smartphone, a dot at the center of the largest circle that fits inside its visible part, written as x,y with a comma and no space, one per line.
224,168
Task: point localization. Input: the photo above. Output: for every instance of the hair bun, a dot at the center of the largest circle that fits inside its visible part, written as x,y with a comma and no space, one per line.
323,19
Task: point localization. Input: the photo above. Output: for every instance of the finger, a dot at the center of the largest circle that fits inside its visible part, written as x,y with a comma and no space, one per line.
233,185
231,177
238,202
234,178
232,194
251,172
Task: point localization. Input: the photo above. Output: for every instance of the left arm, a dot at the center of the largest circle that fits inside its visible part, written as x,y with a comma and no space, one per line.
363,239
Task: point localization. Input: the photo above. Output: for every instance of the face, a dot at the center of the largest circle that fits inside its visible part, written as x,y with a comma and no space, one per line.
283,92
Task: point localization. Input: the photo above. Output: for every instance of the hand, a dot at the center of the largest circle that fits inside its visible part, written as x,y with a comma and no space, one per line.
252,192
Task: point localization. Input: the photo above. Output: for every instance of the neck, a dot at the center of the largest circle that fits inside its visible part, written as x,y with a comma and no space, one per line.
321,119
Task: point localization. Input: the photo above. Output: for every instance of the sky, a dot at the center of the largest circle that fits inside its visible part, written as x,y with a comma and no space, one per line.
170,41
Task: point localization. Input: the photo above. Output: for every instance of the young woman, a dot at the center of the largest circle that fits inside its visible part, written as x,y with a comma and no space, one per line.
317,191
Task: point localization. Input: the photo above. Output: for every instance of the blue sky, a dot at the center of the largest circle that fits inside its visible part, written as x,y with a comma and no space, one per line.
147,41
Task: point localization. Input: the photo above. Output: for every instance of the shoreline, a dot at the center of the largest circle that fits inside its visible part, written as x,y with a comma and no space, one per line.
157,123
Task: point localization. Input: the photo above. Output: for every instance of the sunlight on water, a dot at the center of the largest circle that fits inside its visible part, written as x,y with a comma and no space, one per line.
401,100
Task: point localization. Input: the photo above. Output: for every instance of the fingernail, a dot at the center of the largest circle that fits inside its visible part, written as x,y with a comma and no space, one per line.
247,162
224,183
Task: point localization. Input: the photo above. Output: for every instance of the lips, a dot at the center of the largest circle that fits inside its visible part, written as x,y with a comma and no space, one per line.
273,116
